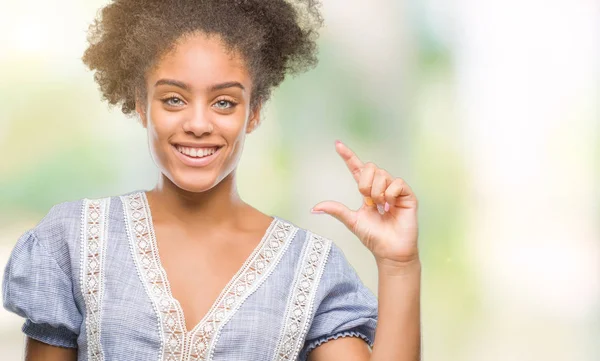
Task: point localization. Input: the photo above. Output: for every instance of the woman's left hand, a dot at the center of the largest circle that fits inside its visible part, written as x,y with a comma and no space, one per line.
386,223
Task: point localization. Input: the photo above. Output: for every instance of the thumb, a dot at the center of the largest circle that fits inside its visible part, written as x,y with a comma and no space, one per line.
338,211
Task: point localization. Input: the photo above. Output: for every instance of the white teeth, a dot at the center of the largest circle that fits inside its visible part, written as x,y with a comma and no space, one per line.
196,152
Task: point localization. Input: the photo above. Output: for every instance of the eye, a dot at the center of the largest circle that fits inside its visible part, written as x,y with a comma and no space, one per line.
225,104
173,101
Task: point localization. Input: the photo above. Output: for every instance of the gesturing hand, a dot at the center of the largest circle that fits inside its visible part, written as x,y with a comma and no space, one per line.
386,223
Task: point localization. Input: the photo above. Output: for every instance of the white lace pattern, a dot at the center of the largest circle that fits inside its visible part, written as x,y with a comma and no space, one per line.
299,307
94,229
178,344
252,274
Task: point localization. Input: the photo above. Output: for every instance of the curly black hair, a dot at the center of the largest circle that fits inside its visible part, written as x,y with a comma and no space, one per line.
129,37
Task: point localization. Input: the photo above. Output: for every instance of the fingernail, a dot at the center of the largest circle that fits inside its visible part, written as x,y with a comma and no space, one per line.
369,201
387,207
316,212
337,141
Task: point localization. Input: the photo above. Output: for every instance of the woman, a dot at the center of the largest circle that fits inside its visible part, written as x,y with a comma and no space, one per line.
230,283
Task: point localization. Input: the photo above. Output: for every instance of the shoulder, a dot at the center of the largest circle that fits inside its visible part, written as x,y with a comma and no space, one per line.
307,240
317,242
340,303
60,228
65,218
336,275
323,254
333,254
59,225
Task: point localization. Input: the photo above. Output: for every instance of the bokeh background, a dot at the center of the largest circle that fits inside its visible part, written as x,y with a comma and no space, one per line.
488,109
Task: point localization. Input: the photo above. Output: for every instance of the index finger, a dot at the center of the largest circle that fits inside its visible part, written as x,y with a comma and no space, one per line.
354,164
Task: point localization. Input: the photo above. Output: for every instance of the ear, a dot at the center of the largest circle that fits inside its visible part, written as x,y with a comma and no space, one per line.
140,108
254,119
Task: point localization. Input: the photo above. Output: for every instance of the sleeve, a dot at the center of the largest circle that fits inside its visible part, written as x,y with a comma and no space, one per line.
36,288
345,307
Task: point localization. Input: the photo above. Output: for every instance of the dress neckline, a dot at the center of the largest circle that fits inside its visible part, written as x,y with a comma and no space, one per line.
224,291
177,343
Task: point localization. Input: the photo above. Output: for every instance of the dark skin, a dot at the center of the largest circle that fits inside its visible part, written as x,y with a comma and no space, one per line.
36,350
216,255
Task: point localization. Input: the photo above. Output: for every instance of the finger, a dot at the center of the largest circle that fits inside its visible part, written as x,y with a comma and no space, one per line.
338,211
380,184
353,163
365,180
369,202
399,191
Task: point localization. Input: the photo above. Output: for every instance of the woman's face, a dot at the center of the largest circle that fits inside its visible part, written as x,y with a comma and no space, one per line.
198,112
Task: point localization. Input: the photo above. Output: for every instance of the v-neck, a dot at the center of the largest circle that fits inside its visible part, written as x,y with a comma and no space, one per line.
178,340
225,289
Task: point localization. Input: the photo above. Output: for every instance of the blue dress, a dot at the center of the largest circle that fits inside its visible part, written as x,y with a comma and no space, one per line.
88,276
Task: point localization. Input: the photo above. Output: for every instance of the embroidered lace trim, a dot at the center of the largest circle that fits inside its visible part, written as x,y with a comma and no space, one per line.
153,276
197,344
94,229
254,272
300,305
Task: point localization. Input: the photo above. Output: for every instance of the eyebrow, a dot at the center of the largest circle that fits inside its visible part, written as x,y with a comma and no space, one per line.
212,88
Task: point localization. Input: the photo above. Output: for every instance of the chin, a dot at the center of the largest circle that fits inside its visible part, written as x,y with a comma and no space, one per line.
194,184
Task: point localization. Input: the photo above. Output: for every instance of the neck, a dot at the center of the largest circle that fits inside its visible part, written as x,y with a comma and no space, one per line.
218,207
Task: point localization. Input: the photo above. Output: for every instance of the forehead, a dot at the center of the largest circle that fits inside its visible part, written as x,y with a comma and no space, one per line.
199,60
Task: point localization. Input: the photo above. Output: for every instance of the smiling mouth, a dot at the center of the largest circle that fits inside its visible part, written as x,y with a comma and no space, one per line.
196,152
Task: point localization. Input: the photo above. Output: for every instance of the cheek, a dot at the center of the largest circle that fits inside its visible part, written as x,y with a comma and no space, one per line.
237,137
236,126
160,129
235,130
162,125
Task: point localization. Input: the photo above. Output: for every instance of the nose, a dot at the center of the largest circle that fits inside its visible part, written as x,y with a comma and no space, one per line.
198,122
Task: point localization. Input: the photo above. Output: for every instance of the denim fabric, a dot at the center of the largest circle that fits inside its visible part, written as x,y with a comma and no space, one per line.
42,283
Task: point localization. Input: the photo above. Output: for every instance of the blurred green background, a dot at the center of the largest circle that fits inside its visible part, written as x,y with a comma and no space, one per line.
489,110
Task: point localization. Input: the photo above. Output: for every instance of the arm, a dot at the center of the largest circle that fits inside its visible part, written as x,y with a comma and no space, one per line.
387,225
38,351
36,288
398,335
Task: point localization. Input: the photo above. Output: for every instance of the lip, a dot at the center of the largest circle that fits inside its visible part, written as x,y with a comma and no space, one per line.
196,162
195,145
